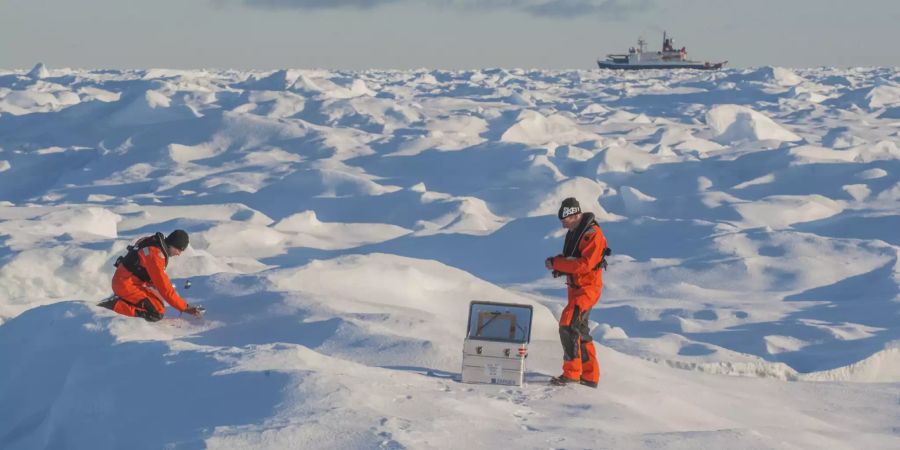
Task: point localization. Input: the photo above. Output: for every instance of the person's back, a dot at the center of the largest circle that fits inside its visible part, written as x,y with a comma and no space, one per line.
141,285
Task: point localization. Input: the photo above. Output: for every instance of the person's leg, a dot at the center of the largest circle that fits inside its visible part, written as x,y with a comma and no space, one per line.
123,307
590,373
143,303
125,294
148,311
569,337
590,367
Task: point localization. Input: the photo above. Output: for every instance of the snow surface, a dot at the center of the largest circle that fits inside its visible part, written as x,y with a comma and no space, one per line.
341,222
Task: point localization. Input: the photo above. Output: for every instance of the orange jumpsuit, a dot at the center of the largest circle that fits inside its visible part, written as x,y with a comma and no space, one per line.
585,282
137,298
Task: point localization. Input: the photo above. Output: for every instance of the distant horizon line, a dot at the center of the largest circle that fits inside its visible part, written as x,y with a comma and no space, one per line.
394,69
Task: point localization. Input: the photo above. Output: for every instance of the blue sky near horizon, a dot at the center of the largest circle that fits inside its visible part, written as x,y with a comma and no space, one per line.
443,34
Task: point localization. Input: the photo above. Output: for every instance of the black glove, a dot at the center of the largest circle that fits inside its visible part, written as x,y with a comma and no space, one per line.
548,263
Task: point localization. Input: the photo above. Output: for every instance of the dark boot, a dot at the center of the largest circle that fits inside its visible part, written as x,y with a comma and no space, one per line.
109,302
147,311
561,381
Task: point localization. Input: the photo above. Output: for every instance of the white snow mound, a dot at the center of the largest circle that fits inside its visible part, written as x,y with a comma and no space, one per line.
734,123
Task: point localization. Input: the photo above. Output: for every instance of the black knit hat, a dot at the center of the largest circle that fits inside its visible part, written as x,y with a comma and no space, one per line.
178,239
568,208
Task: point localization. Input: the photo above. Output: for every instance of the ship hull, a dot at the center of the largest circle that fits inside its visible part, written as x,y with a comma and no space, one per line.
697,66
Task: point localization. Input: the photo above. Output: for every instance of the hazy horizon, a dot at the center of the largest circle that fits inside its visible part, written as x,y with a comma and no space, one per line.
438,34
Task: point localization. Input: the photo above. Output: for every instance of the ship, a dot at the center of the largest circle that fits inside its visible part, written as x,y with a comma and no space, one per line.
667,58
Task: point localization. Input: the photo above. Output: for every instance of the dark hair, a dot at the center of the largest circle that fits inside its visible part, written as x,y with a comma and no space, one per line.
178,239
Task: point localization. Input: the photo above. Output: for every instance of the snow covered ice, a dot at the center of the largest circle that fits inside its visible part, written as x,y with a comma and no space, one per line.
341,222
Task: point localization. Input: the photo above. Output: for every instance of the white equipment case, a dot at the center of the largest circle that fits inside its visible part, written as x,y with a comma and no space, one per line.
496,343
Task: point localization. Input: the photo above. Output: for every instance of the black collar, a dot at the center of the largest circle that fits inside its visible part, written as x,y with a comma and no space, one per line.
575,235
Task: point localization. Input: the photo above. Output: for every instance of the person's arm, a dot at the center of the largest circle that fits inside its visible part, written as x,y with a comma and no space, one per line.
591,247
154,262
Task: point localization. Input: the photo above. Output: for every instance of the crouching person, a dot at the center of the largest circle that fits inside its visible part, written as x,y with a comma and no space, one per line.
141,284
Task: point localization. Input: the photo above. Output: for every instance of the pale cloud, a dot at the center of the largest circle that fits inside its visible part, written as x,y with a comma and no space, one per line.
539,8
316,4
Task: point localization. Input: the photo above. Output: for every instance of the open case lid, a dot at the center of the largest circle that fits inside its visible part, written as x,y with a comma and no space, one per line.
504,322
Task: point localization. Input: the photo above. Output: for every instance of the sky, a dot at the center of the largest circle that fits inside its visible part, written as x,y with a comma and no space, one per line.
439,34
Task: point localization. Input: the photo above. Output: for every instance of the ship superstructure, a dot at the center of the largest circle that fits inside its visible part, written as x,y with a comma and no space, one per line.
668,57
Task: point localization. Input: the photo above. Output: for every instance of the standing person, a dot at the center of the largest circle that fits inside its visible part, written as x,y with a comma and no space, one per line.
582,262
140,283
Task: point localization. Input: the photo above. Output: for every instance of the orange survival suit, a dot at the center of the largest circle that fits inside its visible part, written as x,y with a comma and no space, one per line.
140,282
582,262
